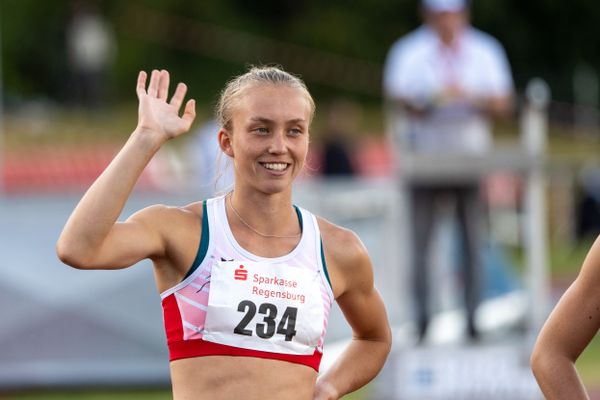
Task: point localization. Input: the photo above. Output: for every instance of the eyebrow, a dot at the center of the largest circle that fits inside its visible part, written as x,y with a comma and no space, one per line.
267,120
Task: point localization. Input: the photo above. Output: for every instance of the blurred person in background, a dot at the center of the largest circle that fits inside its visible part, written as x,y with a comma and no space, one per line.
91,47
340,129
448,80
246,279
569,329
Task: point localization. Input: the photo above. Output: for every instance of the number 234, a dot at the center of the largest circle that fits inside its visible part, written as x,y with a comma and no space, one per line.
266,330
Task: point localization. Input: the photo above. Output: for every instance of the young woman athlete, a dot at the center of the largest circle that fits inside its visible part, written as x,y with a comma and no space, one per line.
246,279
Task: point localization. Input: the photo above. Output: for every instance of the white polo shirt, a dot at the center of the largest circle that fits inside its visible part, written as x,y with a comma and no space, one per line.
419,67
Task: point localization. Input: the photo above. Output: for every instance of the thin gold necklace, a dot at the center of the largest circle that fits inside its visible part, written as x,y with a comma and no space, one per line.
254,230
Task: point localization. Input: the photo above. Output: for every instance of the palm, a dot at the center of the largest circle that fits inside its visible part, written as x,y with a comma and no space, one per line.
158,115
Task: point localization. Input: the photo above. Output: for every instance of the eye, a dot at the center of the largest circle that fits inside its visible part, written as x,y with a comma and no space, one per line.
261,130
295,132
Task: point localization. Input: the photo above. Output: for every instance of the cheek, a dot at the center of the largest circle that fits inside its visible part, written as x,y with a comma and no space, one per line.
245,155
303,149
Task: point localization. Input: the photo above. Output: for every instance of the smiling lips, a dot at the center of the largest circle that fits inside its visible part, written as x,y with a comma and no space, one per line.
275,166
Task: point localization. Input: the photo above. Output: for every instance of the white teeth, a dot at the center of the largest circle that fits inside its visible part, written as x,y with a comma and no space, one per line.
275,166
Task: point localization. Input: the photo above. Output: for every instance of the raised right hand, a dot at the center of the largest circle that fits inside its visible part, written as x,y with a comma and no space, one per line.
158,116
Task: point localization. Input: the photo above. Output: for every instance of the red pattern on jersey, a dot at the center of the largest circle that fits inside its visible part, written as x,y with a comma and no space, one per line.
179,348
172,319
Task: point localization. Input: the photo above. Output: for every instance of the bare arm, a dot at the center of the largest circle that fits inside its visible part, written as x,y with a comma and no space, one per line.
569,329
91,237
351,270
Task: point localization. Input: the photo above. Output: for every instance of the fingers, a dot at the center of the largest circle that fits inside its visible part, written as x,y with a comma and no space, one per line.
179,95
189,113
159,87
163,85
141,84
159,84
154,82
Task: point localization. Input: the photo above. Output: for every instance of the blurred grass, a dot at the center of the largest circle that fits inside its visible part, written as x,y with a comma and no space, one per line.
100,394
40,124
588,364
123,394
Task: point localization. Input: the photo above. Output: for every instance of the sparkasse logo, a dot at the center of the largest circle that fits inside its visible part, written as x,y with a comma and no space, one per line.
240,274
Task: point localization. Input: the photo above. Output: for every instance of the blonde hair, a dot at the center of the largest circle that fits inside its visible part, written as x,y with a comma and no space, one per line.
261,75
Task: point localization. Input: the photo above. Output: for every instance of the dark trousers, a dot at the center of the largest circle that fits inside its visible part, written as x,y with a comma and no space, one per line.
469,214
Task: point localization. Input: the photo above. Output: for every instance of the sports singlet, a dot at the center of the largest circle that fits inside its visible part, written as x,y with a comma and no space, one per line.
235,303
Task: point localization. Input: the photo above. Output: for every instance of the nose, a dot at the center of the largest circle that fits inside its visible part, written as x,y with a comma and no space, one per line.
278,143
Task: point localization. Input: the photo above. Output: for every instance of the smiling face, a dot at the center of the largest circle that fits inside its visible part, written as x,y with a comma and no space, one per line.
268,137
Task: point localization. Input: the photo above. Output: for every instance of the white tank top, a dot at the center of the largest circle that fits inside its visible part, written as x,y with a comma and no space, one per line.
235,298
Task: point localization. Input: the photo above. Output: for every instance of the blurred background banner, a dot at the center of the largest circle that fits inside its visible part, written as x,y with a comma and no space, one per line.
67,104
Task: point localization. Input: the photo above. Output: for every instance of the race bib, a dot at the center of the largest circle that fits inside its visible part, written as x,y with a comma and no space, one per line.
266,307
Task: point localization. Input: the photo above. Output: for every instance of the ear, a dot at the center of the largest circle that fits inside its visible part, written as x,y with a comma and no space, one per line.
225,142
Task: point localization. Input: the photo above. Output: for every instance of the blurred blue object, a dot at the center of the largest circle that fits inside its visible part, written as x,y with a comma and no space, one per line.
499,272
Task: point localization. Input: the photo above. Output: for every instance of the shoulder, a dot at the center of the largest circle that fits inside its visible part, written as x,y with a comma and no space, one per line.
346,256
340,243
166,218
408,56
413,41
159,212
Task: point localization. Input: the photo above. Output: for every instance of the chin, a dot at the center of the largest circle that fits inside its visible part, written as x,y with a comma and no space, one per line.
274,188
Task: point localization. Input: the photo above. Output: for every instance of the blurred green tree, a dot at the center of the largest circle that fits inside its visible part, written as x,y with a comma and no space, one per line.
546,38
